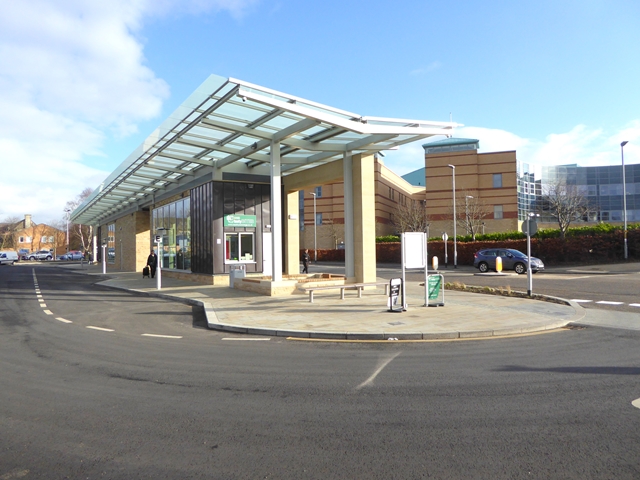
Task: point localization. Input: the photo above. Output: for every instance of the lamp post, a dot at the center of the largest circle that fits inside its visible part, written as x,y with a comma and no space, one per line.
68,212
466,214
315,236
624,200
531,230
455,246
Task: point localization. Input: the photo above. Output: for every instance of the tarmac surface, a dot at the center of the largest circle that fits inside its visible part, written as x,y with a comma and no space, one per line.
464,315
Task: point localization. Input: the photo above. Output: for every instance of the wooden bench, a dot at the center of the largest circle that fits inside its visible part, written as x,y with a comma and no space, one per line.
353,286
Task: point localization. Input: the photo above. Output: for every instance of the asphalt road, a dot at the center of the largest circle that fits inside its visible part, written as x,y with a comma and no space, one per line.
80,401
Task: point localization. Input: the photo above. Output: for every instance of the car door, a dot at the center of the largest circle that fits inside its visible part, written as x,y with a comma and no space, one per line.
507,259
490,258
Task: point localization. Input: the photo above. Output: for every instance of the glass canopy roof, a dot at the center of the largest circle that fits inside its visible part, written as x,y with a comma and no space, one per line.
229,125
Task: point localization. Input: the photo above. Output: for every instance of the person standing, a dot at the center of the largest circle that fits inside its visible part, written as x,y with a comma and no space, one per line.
305,261
152,263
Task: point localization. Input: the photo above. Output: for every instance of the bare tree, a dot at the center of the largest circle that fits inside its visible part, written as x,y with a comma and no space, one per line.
564,203
411,216
332,231
8,232
470,212
77,231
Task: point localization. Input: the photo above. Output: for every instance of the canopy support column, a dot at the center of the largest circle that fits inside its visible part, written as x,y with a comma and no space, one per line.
276,212
349,247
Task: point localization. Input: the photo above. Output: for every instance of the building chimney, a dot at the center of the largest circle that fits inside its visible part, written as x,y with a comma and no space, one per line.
27,221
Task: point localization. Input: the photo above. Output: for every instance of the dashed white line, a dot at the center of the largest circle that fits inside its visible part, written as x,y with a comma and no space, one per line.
48,312
63,320
160,336
604,302
101,329
577,300
634,304
636,403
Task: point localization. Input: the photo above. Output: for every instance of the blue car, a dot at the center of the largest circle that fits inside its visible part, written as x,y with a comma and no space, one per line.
515,260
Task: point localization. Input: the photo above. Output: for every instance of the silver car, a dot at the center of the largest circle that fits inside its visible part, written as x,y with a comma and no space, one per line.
484,260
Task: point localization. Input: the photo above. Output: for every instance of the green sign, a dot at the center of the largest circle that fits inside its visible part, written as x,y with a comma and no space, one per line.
240,221
434,286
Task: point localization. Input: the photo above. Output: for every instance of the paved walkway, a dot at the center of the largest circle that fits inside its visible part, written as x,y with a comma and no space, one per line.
464,315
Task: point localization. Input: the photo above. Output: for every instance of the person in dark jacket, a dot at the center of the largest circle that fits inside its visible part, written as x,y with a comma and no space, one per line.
152,263
305,261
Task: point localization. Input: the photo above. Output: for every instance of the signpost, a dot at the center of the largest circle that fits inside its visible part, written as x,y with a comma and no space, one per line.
529,227
445,237
395,288
158,240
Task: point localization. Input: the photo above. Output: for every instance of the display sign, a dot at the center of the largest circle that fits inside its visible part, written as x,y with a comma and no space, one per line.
434,286
157,239
413,244
240,221
394,293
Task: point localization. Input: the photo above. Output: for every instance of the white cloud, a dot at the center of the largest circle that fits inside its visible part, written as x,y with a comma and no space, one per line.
73,73
581,145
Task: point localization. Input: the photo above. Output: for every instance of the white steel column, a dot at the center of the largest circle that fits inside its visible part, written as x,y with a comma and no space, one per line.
349,247
276,212
95,246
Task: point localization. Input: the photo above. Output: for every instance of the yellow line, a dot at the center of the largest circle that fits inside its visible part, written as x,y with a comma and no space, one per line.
437,340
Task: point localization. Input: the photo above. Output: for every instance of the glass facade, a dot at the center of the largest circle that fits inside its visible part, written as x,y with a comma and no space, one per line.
175,219
111,243
602,186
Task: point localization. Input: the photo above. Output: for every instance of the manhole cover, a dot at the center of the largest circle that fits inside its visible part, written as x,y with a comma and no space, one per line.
396,323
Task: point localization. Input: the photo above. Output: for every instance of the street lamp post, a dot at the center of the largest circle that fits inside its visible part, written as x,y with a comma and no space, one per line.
455,246
315,236
68,212
466,214
624,200
530,230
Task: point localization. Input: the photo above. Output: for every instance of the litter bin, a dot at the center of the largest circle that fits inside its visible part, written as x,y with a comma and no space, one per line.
237,271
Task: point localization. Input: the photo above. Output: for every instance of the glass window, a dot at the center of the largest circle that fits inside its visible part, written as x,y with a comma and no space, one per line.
239,247
319,218
111,243
318,192
497,212
21,240
175,218
497,181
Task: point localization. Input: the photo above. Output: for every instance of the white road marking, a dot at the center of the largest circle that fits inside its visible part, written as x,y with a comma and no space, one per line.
48,312
63,320
604,302
369,381
577,300
636,403
160,336
634,304
248,339
41,300
101,329
14,474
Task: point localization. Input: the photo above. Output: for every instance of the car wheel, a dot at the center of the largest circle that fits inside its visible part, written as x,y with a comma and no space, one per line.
32,258
483,267
49,258
519,268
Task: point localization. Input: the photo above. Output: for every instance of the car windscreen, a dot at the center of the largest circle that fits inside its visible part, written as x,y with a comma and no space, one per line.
517,253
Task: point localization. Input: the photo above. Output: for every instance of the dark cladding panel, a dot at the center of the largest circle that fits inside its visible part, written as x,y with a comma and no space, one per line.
202,229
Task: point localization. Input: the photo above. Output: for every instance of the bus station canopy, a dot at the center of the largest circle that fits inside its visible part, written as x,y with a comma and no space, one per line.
230,125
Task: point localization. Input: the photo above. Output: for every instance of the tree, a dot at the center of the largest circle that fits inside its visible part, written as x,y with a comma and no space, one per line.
411,216
78,232
564,203
332,231
471,212
7,232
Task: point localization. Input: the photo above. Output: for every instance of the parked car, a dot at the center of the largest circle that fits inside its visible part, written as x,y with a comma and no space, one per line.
485,260
71,255
23,253
41,255
8,257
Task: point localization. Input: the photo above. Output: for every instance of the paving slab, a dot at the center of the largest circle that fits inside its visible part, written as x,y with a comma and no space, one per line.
464,315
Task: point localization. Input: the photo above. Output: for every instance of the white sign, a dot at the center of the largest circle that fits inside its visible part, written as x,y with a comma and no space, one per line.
413,244
157,239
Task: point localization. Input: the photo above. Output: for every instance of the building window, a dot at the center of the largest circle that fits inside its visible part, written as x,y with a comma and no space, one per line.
318,192
175,219
44,240
21,240
319,218
497,212
497,180
239,247
51,239
111,243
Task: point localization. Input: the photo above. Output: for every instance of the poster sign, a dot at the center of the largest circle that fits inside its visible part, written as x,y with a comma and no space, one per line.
413,244
240,221
394,293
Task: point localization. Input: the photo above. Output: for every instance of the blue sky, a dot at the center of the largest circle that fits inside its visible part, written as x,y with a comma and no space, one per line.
82,83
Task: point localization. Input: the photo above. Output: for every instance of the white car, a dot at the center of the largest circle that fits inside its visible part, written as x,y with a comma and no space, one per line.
8,257
41,255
